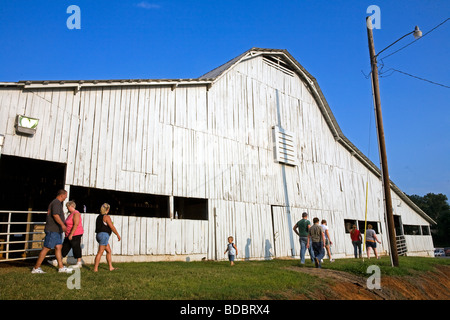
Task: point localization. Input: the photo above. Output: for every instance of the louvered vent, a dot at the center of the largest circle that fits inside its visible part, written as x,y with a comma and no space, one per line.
284,146
279,65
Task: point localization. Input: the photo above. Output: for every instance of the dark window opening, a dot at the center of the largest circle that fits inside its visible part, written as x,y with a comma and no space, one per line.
398,225
122,203
190,208
375,226
360,224
411,230
426,230
349,225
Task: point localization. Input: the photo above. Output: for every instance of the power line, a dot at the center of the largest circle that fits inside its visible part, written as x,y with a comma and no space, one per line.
416,77
416,39
405,73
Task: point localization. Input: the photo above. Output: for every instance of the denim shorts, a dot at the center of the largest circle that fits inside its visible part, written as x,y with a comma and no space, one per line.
372,244
52,239
231,257
102,238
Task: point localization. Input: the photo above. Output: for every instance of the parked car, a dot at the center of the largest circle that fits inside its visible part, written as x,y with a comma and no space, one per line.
439,253
447,252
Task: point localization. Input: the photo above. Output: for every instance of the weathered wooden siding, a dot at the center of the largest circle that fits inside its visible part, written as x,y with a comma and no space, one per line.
416,244
213,143
58,125
329,182
149,236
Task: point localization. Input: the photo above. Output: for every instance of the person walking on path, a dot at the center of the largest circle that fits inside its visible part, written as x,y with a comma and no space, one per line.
73,234
371,241
103,228
301,228
54,227
328,242
316,240
232,250
356,237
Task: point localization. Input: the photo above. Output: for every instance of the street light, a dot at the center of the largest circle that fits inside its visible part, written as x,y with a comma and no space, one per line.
380,130
417,33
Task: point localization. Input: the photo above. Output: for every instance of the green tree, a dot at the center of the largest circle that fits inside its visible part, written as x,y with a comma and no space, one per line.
436,206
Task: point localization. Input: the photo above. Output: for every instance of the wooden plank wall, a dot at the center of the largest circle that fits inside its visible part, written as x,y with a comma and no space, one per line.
122,145
328,182
149,236
57,111
213,144
248,223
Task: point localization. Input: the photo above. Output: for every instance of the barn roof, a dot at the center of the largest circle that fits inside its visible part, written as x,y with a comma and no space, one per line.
214,75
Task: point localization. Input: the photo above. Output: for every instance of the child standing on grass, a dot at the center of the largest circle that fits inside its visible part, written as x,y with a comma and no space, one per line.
232,250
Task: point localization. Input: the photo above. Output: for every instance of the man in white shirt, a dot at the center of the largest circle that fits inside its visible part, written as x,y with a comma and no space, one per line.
328,242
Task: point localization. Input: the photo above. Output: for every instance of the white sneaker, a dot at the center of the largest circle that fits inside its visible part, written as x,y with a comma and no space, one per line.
53,262
38,270
331,260
65,270
77,266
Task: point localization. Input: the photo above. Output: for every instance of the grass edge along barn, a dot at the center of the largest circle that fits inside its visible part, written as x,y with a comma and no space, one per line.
242,150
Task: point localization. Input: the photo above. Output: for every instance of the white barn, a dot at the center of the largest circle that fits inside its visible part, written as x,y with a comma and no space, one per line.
242,150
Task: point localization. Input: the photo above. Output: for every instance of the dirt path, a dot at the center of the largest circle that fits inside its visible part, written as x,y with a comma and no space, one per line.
432,285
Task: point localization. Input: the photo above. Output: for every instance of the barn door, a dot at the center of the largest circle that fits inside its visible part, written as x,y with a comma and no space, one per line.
282,232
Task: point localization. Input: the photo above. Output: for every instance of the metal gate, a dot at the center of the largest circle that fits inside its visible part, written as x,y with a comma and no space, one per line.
21,234
401,245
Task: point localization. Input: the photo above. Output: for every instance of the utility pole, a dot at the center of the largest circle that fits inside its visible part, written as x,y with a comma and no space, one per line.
382,146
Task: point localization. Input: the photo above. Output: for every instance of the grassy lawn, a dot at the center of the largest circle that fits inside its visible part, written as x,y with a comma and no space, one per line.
205,280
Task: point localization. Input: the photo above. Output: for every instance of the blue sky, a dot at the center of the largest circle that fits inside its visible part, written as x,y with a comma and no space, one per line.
185,39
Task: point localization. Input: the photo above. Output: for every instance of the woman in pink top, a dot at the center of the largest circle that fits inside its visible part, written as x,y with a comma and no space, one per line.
74,232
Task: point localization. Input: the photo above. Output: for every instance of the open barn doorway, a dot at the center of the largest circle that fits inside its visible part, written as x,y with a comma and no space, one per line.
29,184
26,185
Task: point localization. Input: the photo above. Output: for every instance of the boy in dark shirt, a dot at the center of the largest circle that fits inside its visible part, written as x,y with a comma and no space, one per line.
316,239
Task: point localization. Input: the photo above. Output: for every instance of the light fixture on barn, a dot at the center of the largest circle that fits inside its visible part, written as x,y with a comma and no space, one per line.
26,125
380,131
